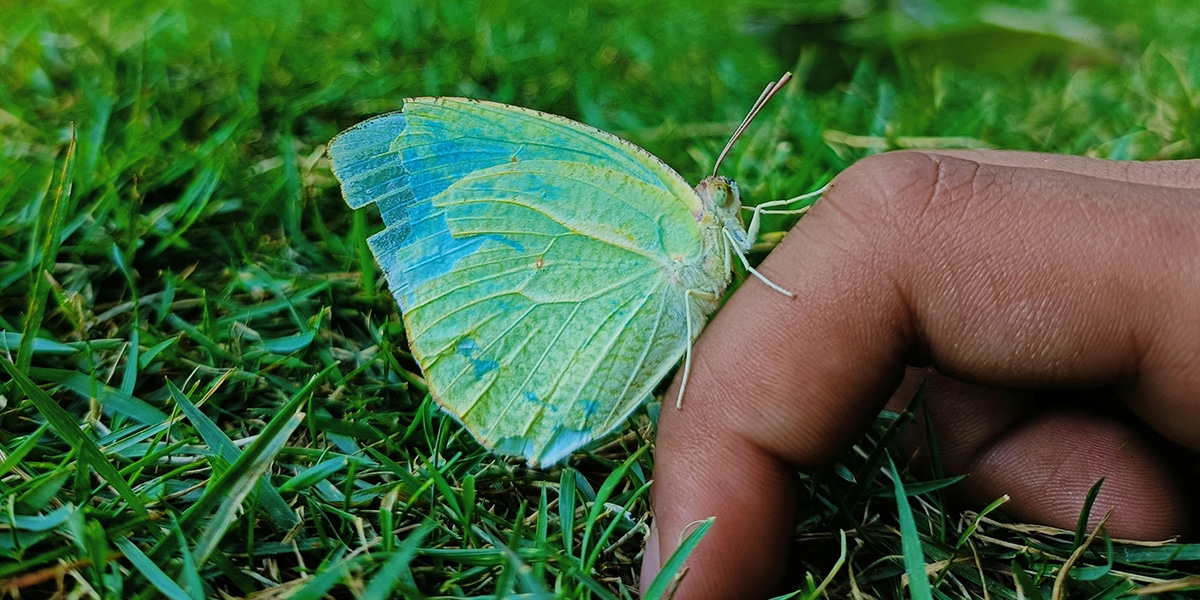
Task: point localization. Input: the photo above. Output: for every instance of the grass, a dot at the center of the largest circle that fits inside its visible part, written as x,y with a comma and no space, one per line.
206,389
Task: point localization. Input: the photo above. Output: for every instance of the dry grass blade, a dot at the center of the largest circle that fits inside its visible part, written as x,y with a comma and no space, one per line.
1060,582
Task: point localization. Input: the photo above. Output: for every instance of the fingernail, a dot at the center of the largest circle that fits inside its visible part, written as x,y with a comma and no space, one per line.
650,564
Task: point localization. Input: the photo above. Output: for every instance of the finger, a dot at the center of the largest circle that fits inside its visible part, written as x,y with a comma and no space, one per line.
1183,174
991,272
1046,461
1048,464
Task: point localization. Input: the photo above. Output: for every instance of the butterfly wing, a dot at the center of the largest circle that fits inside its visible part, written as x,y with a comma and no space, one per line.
532,257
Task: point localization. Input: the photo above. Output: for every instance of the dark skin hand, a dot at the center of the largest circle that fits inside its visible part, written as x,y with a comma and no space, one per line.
1005,272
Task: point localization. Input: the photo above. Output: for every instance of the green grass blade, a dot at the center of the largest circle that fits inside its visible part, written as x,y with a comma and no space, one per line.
10,340
879,453
310,476
188,572
1093,573
65,427
40,522
598,505
110,398
663,582
1081,525
910,542
220,492
15,457
273,503
970,530
541,531
1025,587
1143,555
606,535
146,567
318,587
49,227
400,472
396,572
516,574
924,487
95,540
566,509
237,483
447,493
190,205
132,365
837,566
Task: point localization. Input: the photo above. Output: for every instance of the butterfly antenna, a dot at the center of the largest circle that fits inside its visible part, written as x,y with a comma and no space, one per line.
771,89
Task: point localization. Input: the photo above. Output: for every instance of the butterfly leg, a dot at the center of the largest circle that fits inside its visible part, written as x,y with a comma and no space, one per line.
755,224
752,270
687,354
786,201
726,249
765,209
703,298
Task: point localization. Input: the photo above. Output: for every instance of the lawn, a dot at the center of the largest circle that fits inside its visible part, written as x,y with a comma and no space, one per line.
205,388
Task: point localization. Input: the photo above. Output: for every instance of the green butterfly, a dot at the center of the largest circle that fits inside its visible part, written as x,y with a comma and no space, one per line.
550,274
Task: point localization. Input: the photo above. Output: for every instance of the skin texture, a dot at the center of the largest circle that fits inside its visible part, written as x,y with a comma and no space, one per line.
1009,274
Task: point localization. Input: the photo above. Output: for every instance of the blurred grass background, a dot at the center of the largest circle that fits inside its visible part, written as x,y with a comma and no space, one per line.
187,306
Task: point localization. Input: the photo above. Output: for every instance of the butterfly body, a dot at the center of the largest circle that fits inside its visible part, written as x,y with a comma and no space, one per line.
550,274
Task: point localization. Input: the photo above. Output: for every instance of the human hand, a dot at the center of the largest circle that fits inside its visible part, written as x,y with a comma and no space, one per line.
1013,271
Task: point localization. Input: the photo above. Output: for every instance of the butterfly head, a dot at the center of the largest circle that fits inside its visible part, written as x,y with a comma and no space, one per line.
721,201
719,192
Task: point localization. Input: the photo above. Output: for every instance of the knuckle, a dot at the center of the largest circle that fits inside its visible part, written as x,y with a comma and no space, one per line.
899,197
879,200
880,183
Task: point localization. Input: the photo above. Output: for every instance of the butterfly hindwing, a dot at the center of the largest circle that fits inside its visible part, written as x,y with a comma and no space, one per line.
531,257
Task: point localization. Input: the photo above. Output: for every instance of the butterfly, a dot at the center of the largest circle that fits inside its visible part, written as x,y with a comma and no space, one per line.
549,274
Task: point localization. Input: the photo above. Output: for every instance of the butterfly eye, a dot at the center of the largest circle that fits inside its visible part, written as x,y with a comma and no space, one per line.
725,193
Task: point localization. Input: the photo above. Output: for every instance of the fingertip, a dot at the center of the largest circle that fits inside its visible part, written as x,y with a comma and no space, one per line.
1048,465
703,471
